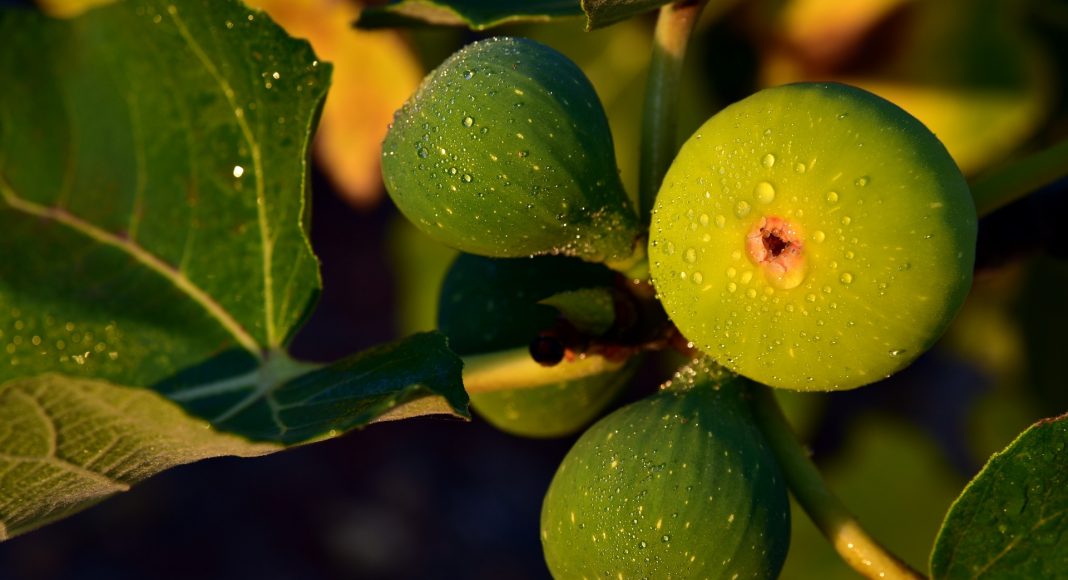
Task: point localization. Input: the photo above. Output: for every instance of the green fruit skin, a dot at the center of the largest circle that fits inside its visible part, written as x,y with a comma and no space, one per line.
490,304
554,410
679,485
888,227
505,151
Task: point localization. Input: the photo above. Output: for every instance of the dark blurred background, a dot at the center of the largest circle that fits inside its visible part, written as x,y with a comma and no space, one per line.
435,498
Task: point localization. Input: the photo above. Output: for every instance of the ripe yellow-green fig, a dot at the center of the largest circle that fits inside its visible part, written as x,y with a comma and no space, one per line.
813,237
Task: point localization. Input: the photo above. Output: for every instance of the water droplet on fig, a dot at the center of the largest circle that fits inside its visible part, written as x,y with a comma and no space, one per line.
698,278
832,197
846,278
765,192
742,209
818,236
768,160
690,255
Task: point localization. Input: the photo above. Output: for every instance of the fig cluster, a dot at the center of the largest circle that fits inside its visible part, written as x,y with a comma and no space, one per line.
809,237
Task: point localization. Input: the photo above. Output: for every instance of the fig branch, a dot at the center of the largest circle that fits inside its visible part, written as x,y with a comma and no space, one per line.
858,549
674,26
1019,178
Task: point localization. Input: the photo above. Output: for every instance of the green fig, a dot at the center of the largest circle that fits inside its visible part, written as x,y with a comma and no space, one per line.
491,304
679,485
813,237
505,151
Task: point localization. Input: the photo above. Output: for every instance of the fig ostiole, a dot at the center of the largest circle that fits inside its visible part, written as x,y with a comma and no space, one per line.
679,485
505,151
813,237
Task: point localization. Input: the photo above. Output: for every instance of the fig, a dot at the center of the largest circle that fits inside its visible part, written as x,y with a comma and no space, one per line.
813,237
492,304
505,151
678,485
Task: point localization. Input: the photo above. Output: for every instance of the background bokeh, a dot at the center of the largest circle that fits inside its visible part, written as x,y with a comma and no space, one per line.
435,498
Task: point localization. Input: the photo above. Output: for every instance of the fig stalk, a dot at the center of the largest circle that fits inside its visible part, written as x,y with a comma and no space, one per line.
515,369
674,26
856,547
1015,180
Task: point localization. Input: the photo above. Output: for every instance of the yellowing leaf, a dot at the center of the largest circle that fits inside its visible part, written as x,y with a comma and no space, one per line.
69,8
374,72
967,70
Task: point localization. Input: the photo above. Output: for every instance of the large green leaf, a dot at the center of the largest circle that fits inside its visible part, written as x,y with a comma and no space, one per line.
153,161
483,14
157,218
475,14
1012,519
68,443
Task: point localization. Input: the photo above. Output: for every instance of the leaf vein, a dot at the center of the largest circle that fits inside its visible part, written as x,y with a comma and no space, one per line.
257,163
180,281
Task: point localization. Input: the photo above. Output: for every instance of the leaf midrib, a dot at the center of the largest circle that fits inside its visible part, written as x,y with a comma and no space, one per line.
135,251
266,244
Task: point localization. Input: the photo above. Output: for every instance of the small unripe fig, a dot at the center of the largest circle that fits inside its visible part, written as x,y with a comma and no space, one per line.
505,151
813,237
679,485
491,304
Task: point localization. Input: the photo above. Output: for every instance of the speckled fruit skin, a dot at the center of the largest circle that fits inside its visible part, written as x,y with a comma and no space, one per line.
491,304
679,485
885,232
505,151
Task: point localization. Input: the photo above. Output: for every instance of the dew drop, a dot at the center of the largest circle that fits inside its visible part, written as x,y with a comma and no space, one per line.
800,168
742,209
846,220
846,278
731,287
703,219
468,74
238,171
818,235
720,221
861,181
698,278
832,197
751,293
468,121
810,297
768,160
765,192
466,178
898,352
690,255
